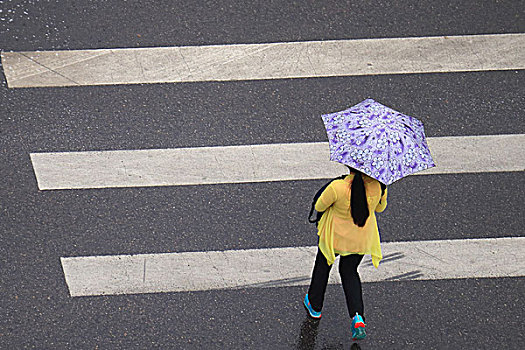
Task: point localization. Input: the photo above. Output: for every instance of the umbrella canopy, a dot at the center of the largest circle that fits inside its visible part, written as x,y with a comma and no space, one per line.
378,141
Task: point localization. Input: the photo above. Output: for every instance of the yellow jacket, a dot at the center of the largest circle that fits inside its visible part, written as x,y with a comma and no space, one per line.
337,232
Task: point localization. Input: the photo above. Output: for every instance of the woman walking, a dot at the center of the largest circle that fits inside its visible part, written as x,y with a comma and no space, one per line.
386,145
348,228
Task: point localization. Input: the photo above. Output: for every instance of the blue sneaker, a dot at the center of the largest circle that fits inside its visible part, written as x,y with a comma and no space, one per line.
308,307
358,327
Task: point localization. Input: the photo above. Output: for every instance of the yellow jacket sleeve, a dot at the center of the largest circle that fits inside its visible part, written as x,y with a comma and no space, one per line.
382,203
327,198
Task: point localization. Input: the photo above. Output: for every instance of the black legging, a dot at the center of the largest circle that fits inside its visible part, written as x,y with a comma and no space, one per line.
349,277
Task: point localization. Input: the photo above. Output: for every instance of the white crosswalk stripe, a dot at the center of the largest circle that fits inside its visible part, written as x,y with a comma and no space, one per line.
265,61
280,267
254,163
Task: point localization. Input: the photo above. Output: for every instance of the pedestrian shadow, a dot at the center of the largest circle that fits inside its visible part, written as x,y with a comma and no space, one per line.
284,282
412,275
386,259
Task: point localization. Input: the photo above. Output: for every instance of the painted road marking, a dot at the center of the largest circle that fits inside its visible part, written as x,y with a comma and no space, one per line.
280,267
265,61
254,163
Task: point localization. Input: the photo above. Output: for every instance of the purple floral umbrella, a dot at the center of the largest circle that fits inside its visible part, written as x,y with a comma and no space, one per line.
380,142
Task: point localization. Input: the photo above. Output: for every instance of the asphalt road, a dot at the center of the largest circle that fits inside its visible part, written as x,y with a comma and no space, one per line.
39,227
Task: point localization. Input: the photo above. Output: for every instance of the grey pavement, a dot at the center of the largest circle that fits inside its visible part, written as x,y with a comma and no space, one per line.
251,112
77,24
39,227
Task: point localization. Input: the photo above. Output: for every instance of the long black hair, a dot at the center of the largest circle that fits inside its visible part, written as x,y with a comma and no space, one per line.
358,201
